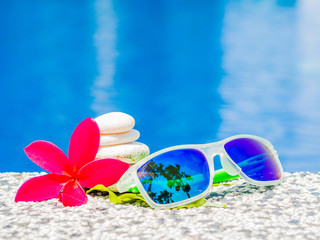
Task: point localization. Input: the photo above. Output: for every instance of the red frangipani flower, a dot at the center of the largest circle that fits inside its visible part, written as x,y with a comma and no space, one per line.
68,175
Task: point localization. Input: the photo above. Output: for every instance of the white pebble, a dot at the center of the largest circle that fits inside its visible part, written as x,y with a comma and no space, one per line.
260,215
129,152
113,139
115,122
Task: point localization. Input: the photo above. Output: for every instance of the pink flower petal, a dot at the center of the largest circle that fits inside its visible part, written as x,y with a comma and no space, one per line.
104,171
73,195
41,188
84,144
48,156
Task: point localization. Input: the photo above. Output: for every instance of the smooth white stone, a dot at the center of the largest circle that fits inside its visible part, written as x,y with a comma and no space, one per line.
129,152
119,138
115,122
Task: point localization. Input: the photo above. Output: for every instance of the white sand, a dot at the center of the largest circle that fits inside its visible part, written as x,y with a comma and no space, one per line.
288,211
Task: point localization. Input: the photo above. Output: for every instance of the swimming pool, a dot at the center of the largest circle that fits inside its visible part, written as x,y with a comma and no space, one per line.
188,72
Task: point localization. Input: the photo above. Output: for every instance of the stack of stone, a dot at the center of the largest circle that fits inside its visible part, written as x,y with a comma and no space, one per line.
117,138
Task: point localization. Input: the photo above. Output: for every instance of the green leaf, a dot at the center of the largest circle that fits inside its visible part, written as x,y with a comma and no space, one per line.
200,202
124,198
134,190
99,188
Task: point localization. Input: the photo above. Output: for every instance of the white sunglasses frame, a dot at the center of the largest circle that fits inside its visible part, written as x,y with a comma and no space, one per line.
130,178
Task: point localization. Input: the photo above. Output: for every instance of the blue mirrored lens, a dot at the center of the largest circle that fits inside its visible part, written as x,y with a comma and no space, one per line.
175,176
254,158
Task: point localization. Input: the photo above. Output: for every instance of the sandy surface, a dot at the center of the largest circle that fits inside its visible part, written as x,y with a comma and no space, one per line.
287,211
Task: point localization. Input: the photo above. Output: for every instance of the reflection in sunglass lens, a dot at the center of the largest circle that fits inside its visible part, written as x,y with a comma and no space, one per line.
175,176
254,159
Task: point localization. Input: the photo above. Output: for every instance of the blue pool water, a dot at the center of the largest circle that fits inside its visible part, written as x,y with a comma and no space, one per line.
188,71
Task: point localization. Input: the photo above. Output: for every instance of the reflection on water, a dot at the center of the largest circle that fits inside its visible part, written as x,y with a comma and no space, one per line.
271,87
105,39
307,101
188,72
168,69
46,68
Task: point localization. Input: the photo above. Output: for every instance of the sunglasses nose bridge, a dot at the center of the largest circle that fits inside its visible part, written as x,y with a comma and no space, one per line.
211,150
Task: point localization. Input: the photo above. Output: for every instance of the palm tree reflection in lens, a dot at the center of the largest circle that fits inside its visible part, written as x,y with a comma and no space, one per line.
173,175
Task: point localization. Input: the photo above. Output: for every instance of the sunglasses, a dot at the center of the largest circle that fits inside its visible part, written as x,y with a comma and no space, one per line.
183,174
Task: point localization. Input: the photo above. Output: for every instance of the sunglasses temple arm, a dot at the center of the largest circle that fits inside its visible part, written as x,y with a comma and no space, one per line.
222,176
